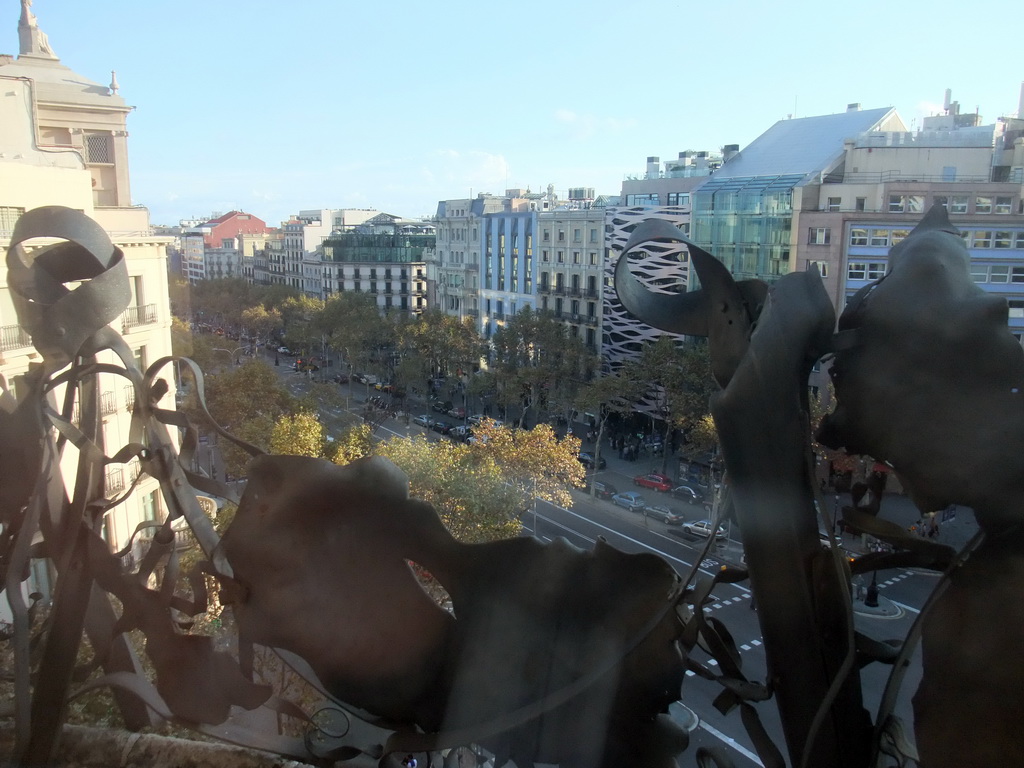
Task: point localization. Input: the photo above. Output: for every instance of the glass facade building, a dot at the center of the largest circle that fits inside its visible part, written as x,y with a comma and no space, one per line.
746,222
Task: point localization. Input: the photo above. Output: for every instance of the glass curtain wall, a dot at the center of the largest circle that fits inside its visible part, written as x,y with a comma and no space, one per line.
746,223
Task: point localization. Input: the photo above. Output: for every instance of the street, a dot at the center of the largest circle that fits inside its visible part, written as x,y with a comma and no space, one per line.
902,591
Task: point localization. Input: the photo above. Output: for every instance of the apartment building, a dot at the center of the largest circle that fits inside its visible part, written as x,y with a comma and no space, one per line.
63,141
571,253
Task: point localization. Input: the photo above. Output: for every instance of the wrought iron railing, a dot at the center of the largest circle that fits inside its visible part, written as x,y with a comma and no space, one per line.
13,337
140,314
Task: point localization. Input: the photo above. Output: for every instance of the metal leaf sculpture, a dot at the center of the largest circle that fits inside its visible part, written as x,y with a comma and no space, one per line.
550,653
923,360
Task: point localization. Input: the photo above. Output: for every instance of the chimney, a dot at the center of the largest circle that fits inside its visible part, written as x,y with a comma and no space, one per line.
853,107
729,151
653,167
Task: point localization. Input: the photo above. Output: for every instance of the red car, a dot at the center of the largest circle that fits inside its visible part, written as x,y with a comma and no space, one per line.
655,481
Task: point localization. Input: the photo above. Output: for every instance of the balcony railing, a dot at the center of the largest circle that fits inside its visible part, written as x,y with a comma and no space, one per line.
115,480
129,397
140,314
108,403
13,337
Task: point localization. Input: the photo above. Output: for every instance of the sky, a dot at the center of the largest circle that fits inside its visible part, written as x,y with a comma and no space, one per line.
276,107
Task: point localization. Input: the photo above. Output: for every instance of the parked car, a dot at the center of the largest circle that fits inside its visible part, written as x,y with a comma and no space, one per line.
687,493
475,419
458,412
703,528
423,421
441,406
602,489
664,514
655,481
341,378
630,500
461,432
441,428
587,460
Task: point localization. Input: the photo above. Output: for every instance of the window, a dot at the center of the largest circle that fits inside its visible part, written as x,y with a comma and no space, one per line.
979,273
819,236
651,199
856,270
999,273
1017,274
834,204
679,198
561,235
576,258
981,238
879,238
593,258
876,271
97,148
860,203
915,203
1016,307
982,204
577,236
821,265
1003,204
1018,241
546,237
897,204
898,235
593,235
8,216
545,256
858,237
150,506
1003,240
561,257
958,203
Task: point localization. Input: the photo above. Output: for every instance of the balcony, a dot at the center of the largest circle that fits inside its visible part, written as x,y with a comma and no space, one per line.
108,403
13,337
129,397
143,314
115,480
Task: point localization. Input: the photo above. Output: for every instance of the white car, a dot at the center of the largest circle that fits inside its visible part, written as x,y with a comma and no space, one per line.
423,420
704,528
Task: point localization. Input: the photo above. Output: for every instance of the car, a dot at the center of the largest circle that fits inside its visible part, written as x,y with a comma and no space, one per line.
457,412
341,378
284,350
423,421
366,378
461,433
587,460
664,514
687,493
655,481
441,406
475,419
603,489
703,528
441,428
630,500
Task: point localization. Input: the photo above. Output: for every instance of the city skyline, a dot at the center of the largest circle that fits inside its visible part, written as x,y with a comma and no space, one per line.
270,109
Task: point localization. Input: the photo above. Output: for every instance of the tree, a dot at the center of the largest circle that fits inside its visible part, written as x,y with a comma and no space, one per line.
260,323
441,344
301,319
614,393
538,364
299,434
680,384
247,401
221,302
479,490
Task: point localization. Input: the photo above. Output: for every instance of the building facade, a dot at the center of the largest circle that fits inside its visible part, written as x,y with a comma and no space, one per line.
389,267
63,141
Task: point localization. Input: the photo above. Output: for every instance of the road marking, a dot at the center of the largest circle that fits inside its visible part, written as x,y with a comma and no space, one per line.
745,647
632,540
731,742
